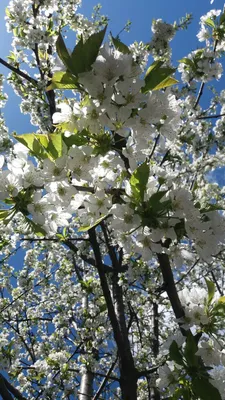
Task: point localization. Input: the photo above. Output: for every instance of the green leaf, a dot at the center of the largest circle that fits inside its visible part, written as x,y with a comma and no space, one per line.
188,62
79,139
221,300
63,53
175,354
4,243
43,146
204,390
31,142
138,181
85,54
211,290
219,307
190,349
8,13
63,80
155,199
120,46
87,227
155,76
154,66
55,145
166,83
4,214
222,18
210,22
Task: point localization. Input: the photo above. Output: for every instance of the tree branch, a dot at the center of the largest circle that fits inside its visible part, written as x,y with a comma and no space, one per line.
12,389
19,72
105,380
3,390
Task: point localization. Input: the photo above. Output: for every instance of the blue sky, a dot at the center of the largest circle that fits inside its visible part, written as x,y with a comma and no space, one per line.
140,13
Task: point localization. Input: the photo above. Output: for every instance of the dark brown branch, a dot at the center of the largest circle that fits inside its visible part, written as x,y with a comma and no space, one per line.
53,239
148,372
216,283
12,389
154,147
3,390
19,72
188,272
199,94
106,291
105,380
170,287
211,116
87,259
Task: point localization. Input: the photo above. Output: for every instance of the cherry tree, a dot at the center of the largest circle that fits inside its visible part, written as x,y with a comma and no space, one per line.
110,207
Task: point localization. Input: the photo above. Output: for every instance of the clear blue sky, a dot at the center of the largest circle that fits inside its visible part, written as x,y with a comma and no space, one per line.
140,13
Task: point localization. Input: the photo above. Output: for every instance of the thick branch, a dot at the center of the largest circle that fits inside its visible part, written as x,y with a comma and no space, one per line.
3,390
170,287
12,389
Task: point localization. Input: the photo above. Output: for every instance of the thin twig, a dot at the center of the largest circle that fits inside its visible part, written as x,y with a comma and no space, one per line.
211,116
188,272
105,380
199,94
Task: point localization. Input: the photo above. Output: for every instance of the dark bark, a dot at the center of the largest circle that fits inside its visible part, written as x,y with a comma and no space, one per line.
170,287
128,384
116,313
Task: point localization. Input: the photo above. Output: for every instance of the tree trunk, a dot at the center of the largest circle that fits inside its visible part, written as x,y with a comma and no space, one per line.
86,386
128,385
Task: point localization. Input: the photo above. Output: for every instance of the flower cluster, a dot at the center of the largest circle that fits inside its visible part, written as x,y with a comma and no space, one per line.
110,206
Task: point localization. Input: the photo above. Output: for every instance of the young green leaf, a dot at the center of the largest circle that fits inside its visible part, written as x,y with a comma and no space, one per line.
43,146
210,22
204,390
138,181
187,61
221,300
79,138
63,53
170,81
4,214
222,18
155,76
55,145
175,354
30,140
155,200
63,80
85,54
120,46
190,349
211,290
